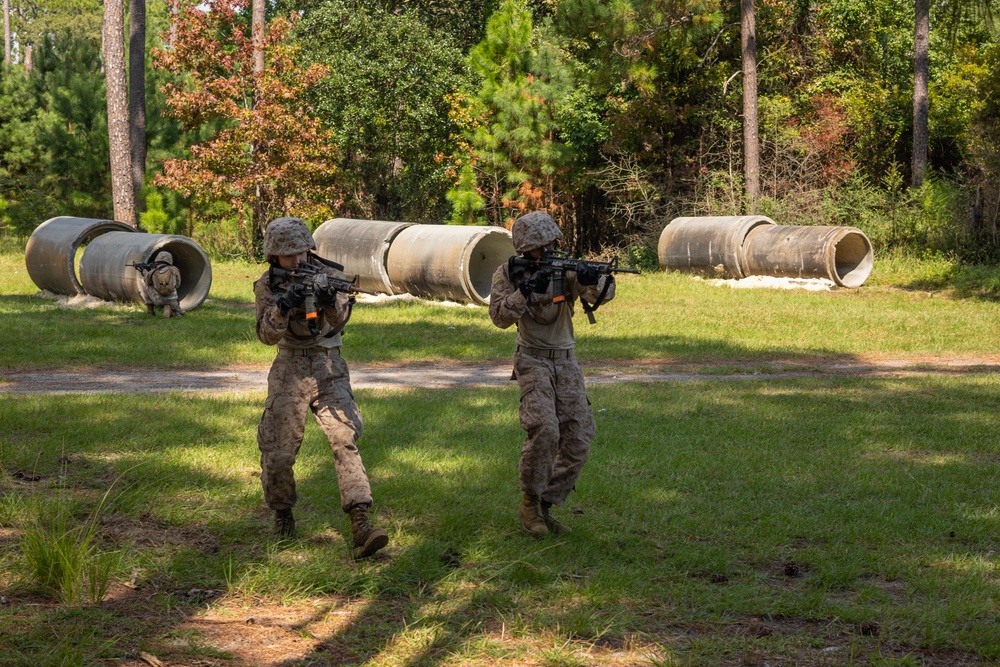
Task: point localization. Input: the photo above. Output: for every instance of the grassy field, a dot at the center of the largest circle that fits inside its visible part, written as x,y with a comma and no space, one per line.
908,309
762,521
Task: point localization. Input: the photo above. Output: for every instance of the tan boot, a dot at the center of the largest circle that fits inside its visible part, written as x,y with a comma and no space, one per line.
530,513
150,309
166,312
551,523
367,540
284,524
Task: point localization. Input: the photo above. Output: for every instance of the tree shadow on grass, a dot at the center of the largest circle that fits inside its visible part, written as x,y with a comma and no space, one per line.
695,498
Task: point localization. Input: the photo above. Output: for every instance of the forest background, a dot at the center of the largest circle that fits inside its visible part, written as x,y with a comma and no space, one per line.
614,116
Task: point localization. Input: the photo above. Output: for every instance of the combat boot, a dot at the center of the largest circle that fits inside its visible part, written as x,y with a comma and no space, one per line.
551,523
150,309
532,520
166,311
367,540
284,524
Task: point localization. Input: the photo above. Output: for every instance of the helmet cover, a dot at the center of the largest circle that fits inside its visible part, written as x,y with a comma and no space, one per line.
164,257
287,236
534,230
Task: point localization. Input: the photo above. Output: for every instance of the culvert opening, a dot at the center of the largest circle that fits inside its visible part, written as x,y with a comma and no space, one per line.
196,271
853,259
486,255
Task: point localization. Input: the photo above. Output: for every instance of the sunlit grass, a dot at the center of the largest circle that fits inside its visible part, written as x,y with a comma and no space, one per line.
657,317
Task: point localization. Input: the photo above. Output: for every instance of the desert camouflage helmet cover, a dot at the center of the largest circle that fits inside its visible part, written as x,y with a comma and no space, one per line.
287,236
534,230
165,257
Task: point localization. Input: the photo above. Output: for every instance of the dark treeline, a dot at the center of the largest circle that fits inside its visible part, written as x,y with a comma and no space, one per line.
615,117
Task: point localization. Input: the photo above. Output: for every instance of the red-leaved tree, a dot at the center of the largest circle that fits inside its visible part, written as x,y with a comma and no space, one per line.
271,156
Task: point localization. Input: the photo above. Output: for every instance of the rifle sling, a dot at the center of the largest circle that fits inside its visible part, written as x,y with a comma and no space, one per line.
589,309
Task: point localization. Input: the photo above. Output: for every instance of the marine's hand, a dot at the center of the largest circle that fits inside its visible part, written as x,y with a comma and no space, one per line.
587,276
538,283
294,295
327,296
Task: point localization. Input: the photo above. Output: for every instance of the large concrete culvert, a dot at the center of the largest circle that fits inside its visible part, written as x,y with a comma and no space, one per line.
842,255
106,274
51,253
433,261
741,246
361,247
708,246
448,261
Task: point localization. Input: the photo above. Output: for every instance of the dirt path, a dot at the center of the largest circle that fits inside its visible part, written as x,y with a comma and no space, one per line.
450,375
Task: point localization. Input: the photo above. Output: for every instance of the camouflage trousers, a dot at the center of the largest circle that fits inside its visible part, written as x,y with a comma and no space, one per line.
153,298
556,414
297,383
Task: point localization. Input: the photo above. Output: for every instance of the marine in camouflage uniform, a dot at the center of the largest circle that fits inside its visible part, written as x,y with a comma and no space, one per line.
160,285
308,374
554,409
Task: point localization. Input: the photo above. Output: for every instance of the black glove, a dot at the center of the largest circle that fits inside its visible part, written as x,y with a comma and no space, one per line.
294,295
587,275
538,283
326,297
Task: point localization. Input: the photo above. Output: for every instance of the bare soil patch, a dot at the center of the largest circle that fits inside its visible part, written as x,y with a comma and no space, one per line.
448,374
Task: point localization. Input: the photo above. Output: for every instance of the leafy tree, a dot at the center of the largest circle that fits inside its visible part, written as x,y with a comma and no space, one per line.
385,99
461,23
294,166
33,20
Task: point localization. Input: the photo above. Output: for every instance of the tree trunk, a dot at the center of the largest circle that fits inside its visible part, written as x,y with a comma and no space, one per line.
751,141
137,100
118,128
260,208
173,22
6,32
921,50
257,23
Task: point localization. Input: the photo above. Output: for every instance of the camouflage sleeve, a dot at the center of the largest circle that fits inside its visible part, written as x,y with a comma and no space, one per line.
507,304
592,292
271,324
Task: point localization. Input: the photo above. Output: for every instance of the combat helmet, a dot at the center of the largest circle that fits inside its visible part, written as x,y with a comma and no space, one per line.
287,236
164,257
534,230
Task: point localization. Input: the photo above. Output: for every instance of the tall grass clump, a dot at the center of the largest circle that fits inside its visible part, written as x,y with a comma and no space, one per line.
64,558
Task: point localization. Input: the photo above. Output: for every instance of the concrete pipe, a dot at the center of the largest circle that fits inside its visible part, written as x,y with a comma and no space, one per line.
361,246
50,255
104,270
447,261
839,254
710,246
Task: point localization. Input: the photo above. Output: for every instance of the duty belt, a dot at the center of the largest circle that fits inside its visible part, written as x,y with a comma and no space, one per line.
309,351
545,353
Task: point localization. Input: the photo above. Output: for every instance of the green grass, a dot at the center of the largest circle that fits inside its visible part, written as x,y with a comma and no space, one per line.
809,507
765,520
910,308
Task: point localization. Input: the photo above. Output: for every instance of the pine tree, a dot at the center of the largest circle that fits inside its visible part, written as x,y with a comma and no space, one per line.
516,143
